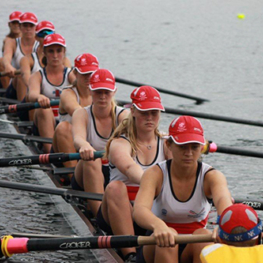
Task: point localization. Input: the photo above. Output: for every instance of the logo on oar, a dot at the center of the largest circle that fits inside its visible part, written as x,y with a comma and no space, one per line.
16,162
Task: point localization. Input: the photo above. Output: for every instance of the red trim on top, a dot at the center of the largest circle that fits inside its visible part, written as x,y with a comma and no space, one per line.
188,228
12,108
132,192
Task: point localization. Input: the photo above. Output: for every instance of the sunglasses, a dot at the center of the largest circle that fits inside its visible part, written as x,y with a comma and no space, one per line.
44,33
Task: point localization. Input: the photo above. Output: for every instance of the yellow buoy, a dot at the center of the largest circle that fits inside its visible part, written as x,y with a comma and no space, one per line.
241,16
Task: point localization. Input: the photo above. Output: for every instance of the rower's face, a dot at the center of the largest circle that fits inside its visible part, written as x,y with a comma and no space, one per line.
14,27
55,54
186,154
28,29
83,79
146,120
101,97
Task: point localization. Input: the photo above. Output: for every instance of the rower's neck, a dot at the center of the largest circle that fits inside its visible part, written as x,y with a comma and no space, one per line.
27,41
183,172
54,70
146,138
101,113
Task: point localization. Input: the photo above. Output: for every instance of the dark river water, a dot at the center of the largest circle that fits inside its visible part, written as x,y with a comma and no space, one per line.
198,48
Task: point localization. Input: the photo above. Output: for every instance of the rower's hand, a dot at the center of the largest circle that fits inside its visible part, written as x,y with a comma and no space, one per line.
43,101
164,236
215,235
86,152
10,70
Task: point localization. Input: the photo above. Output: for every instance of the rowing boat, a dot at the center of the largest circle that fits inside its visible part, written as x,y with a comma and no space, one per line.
75,210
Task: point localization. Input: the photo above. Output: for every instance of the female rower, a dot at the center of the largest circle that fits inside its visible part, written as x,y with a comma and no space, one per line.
14,33
47,83
92,127
173,195
71,99
17,48
135,146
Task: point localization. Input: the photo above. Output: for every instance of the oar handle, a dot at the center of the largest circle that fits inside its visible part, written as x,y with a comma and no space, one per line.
179,239
24,106
76,156
4,74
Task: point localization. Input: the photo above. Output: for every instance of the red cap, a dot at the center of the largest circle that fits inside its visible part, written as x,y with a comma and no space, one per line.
86,63
15,16
146,98
44,25
102,79
54,39
238,215
186,129
28,18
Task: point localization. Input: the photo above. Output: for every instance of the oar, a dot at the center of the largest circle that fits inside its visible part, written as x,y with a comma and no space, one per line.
8,101
25,138
213,147
256,204
24,106
205,115
138,84
10,245
67,194
19,123
44,159
4,74
55,171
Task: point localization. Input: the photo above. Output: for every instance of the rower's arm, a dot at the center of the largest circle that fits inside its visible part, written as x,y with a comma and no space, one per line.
68,102
120,156
34,91
150,187
79,128
9,50
72,78
25,68
215,187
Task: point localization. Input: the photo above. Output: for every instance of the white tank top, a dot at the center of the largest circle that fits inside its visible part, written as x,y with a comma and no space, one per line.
93,137
19,54
53,91
116,175
36,66
65,116
184,217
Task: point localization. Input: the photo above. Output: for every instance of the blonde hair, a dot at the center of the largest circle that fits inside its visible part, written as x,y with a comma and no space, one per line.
128,129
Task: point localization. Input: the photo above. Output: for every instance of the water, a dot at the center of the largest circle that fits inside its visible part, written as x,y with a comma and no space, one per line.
199,48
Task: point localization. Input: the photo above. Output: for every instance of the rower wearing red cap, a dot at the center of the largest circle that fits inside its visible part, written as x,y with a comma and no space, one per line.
32,63
92,127
134,146
240,234
47,83
73,98
17,48
14,33
174,195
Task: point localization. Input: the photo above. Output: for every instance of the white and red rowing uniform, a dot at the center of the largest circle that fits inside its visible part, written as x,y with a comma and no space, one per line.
184,216
116,175
53,91
36,63
19,53
97,141
65,116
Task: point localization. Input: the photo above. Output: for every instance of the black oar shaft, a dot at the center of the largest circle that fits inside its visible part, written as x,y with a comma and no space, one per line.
256,204
44,159
213,117
24,245
242,152
178,94
66,193
25,138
